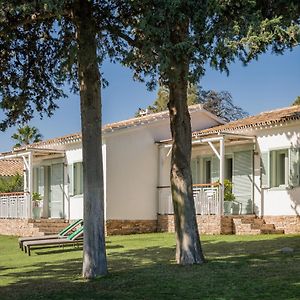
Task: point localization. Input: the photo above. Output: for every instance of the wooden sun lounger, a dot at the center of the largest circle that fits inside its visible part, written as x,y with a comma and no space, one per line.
52,242
62,234
74,238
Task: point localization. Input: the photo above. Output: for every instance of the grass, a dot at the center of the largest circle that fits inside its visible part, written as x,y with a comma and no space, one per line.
143,267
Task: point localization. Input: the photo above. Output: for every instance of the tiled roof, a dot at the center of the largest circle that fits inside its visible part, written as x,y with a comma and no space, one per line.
133,122
263,119
10,167
70,138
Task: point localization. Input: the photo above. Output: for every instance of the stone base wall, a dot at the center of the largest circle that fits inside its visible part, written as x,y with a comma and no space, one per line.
290,224
18,227
114,227
164,223
206,224
209,224
227,225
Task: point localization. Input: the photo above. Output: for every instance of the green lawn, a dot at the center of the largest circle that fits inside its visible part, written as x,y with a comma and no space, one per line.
142,267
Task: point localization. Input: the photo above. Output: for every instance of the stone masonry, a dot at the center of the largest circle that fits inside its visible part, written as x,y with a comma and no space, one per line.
290,224
18,227
209,224
30,227
114,227
236,224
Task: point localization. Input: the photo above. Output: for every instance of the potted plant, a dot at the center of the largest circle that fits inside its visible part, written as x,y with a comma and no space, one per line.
36,205
228,196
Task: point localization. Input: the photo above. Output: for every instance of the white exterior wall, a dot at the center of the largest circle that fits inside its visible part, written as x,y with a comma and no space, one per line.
278,200
132,170
131,176
73,155
199,121
135,168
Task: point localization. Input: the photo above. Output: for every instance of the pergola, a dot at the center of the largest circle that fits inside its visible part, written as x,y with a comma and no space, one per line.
217,140
28,155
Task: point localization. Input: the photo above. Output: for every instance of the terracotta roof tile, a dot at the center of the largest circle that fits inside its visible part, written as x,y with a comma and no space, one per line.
151,118
263,119
10,167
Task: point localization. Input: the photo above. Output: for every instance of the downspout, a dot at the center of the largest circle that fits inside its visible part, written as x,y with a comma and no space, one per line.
30,182
222,174
158,181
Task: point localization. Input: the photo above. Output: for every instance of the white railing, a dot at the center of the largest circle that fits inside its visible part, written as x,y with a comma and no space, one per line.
14,205
206,198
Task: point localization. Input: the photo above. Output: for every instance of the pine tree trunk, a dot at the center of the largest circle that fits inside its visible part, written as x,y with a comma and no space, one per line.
94,253
188,246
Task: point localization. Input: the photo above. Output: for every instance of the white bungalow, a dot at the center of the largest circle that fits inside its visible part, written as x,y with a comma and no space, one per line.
259,155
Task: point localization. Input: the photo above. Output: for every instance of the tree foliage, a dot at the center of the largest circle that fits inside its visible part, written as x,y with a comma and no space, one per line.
176,39
39,54
221,105
219,32
296,101
11,184
218,103
26,135
49,42
44,45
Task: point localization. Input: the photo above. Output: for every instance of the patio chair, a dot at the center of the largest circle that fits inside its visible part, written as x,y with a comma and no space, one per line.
75,238
62,234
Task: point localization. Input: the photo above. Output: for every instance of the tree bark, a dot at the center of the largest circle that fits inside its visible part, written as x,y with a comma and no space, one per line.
94,253
188,245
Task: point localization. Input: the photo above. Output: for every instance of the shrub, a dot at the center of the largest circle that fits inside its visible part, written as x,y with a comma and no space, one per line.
11,184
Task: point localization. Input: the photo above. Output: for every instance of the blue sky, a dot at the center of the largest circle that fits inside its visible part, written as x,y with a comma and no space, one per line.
271,82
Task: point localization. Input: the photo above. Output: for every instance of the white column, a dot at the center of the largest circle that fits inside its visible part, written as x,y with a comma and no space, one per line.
25,179
26,170
27,185
30,183
104,160
222,174
159,170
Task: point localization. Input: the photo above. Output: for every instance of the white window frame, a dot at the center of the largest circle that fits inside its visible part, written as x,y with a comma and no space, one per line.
77,182
274,165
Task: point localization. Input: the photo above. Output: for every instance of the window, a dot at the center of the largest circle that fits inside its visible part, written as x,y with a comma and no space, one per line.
78,178
207,171
195,170
228,168
279,168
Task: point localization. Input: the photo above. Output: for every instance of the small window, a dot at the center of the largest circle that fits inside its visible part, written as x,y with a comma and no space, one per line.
279,166
228,168
207,171
78,178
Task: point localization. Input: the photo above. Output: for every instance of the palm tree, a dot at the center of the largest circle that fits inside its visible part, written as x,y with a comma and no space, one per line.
26,135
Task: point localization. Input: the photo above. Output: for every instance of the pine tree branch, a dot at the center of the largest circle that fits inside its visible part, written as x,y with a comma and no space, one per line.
27,20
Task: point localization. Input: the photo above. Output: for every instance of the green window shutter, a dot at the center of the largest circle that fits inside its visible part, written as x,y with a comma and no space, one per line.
81,178
78,178
71,179
41,181
265,170
294,167
215,169
194,165
243,180
35,173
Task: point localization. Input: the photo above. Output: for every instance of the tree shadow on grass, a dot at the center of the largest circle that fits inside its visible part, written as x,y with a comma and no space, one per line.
235,270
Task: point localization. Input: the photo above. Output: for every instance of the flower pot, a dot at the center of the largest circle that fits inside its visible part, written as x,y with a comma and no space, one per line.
36,211
227,207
